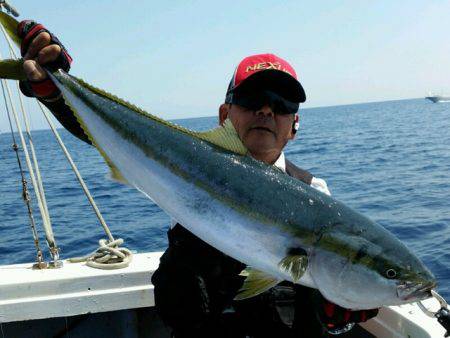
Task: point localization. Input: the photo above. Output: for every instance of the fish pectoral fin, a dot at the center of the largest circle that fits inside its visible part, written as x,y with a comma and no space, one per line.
256,282
224,136
295,265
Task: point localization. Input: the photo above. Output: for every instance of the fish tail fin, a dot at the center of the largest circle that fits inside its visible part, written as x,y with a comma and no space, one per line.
10,24
12,69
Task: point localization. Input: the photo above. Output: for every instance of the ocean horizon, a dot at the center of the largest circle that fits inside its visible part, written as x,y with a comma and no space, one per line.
7,130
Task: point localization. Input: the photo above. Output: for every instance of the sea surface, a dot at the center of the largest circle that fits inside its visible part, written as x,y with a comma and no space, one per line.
388,160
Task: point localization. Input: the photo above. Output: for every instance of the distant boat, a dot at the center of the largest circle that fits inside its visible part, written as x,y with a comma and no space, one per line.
438,98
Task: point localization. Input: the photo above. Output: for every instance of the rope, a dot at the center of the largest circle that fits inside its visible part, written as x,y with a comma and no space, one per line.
77,173
25,194
122,256
117,257
34,157
36,181
49,235
108,256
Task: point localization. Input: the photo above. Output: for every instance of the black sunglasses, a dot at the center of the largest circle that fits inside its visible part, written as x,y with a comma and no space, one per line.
256,99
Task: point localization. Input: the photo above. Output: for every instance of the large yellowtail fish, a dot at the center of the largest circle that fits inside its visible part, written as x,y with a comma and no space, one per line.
280,227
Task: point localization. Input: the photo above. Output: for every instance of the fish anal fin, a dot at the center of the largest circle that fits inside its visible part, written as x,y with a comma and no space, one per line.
256,282
224,136
115,173
295,263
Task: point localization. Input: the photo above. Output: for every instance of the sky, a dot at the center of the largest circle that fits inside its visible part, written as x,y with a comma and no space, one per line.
175,58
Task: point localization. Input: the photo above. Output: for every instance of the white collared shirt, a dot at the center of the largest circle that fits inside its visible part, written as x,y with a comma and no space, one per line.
316,183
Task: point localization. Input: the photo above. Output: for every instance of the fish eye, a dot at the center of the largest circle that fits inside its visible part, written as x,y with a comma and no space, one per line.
391,273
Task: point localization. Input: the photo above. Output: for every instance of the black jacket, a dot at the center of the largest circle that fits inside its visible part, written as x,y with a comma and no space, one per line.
195,285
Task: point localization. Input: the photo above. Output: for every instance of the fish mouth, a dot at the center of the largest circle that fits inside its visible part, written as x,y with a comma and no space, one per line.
415,291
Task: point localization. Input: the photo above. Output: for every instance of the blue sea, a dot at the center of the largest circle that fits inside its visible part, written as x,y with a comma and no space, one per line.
388,160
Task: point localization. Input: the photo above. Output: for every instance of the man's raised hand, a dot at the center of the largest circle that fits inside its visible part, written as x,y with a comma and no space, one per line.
39,49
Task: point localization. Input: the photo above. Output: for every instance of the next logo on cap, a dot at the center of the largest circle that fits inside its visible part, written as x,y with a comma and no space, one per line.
266,65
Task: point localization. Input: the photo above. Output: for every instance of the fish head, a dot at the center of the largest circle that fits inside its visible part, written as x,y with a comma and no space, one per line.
368,269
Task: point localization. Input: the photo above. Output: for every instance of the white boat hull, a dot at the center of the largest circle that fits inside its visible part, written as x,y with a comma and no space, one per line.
437,98
32,300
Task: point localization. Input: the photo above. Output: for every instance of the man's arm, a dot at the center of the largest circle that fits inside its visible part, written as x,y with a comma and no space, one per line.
40,49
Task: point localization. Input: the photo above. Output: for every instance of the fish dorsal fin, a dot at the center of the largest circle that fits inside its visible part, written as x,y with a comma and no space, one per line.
256,282
10,24
224,136
295,265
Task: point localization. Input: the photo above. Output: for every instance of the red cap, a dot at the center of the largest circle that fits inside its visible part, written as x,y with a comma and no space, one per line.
271,71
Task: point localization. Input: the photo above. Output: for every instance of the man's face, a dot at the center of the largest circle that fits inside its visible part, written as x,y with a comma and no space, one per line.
263,132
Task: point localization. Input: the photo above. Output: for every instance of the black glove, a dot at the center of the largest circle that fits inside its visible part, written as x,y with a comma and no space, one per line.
27,31
336,319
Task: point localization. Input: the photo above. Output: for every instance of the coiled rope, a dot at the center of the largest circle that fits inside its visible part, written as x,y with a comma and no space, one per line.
108,255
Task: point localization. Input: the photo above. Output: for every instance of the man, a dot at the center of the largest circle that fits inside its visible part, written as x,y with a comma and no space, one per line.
195,284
